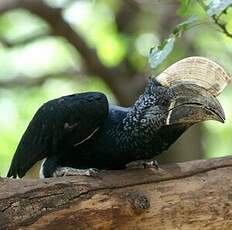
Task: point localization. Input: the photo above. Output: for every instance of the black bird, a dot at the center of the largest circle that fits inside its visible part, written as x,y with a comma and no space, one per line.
80,133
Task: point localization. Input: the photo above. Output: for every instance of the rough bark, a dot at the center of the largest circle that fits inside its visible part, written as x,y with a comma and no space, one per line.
190,195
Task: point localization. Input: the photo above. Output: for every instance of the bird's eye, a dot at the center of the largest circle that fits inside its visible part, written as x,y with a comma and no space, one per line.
163,101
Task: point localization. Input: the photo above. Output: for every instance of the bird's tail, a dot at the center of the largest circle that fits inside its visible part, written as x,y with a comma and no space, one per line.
12,172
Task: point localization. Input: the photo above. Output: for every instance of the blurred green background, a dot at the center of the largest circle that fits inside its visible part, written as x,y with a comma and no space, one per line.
40,60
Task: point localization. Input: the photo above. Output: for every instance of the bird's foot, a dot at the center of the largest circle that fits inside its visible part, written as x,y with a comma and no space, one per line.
151,164
68,171
143,164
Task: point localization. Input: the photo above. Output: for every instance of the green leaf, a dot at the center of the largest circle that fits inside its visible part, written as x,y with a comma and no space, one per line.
158,55
184,6
184,25
217,6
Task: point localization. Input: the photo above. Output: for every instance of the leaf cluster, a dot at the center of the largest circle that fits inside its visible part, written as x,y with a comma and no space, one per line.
213,8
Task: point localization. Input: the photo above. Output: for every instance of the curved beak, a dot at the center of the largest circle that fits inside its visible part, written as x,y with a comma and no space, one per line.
192,104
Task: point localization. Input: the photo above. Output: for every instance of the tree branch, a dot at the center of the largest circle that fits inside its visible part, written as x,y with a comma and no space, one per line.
59,27
222,26
124,18
124,88
127,12
215,18
23,81
190,195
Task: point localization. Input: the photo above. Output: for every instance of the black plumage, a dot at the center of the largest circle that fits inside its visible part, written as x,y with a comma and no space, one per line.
83,131
56,127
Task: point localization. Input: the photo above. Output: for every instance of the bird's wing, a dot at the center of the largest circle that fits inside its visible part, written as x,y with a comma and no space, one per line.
59,123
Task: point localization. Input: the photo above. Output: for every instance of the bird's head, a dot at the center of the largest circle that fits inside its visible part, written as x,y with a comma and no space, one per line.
185,93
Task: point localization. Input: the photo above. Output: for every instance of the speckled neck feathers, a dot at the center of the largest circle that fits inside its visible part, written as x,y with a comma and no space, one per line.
149,112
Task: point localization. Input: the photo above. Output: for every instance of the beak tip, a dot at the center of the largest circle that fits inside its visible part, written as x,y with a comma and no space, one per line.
221,116
222,120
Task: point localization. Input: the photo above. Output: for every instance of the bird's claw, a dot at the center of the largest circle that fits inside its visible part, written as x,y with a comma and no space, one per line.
93,172
150,164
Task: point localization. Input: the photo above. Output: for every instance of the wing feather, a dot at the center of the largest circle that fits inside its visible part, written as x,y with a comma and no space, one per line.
58,124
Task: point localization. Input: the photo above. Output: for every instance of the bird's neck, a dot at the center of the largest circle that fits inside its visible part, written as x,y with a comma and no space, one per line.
138,126
149,139
147,131
165,137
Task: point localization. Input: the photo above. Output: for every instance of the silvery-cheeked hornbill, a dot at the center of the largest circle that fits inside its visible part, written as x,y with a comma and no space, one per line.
80,133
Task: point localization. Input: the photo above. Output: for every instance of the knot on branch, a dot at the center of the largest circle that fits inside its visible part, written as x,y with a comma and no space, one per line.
139,202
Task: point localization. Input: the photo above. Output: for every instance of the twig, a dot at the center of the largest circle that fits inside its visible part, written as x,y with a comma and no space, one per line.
222,26
215,18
